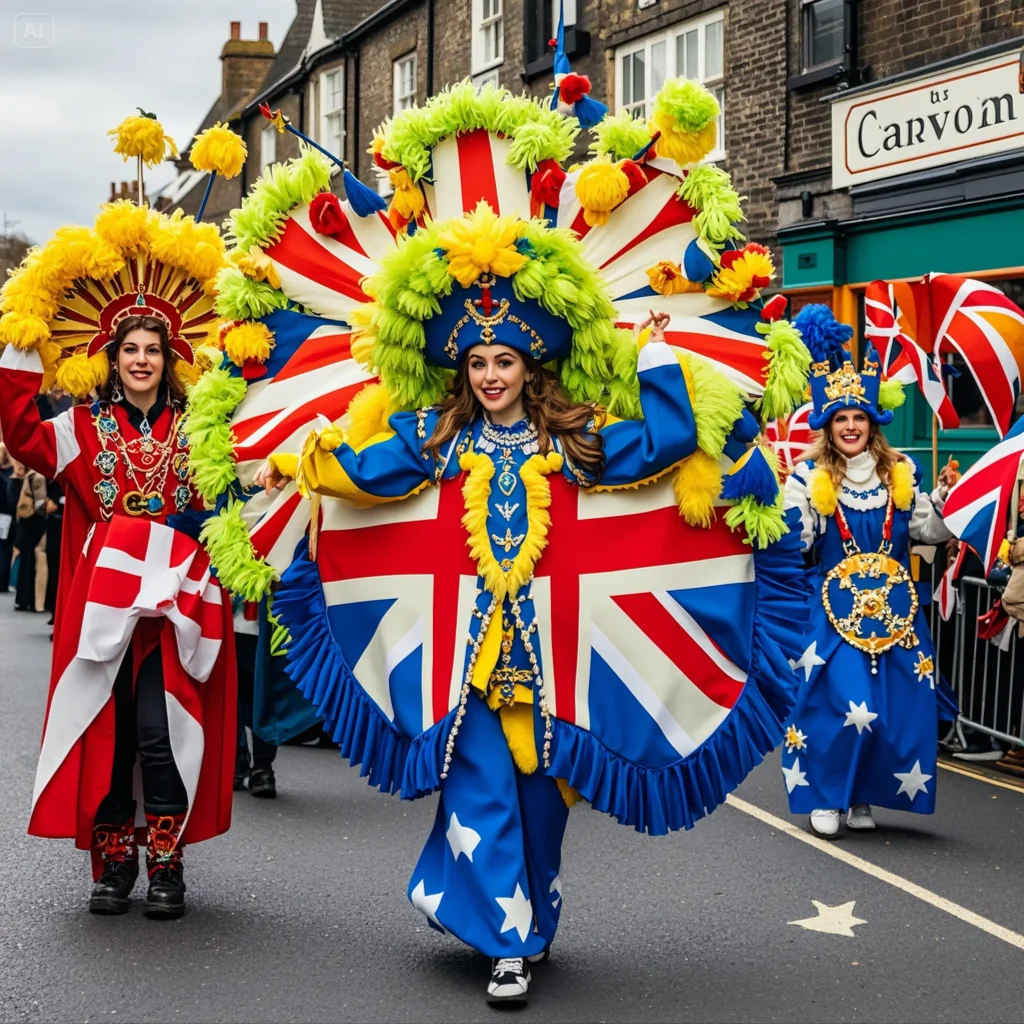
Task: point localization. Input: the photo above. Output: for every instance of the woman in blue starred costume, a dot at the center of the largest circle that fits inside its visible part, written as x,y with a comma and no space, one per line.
865,730
515,438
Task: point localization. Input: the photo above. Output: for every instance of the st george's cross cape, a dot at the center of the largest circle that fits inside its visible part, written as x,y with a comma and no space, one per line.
137,584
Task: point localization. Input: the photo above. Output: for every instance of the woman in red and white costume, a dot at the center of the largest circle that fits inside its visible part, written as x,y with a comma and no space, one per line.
138,669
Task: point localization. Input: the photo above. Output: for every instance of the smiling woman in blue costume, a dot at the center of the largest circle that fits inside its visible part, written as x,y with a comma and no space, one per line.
505,460
865,730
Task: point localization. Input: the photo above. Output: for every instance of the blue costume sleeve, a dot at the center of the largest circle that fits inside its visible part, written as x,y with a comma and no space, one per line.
637,450
388,467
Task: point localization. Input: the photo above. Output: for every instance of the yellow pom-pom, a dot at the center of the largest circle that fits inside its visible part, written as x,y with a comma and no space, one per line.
901,480
822,493
698,482
481,243
600,187
220,150
198,249
685,114
408,202
80,252
367,414
49,353
259,266
79,374
23,330
143,136
125,225
29,291
248,341
667,278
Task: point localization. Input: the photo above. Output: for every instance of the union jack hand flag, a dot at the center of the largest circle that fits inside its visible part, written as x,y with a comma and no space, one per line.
791,437
978,507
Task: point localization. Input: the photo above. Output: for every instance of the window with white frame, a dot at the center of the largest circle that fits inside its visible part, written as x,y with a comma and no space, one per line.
694,49
488,44
405,82
268,146
332,111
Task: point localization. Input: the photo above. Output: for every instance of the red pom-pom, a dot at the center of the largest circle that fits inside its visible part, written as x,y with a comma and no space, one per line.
572,88
326,214
253,369
552,43
634,175
774,309
760,281
755,247
730,256
546,183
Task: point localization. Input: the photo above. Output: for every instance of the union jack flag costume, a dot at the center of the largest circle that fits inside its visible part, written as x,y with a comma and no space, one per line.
489,619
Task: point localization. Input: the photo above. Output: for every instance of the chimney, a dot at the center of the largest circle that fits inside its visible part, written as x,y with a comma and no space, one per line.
244,64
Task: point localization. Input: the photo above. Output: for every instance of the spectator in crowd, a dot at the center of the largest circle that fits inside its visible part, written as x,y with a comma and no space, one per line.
54,526
29,530
6,520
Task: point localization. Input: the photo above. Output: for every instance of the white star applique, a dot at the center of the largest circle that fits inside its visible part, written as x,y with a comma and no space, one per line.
794,777
427,904
831,920
807,661
859,716
518,913
462,839
912,782
556,888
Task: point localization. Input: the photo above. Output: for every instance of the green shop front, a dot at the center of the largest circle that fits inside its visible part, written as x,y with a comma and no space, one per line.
934,168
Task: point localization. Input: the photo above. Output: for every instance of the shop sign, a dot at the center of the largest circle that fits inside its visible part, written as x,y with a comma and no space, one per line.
958,114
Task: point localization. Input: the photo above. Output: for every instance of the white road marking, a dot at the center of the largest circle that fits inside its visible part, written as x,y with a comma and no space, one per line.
831,920
897,881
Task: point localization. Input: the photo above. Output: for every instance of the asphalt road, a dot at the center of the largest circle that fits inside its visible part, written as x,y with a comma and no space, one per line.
299,913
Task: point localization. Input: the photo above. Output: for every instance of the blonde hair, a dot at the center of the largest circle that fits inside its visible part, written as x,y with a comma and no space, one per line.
824,454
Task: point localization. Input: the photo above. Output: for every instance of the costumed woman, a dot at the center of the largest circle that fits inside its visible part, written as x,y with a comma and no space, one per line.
140,670
865,729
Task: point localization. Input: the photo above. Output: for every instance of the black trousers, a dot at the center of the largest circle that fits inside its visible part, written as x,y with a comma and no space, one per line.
263,753
141,728
29,533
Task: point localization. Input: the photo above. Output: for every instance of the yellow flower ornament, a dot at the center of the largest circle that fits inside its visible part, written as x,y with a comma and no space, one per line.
482,243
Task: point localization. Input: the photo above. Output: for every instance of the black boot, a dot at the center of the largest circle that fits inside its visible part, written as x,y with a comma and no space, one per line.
116,845
262,783
166,896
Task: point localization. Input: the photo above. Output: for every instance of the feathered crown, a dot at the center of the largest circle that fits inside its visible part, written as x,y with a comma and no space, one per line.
68,296
835,381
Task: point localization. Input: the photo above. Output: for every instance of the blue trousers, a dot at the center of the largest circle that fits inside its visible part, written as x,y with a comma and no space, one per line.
489,872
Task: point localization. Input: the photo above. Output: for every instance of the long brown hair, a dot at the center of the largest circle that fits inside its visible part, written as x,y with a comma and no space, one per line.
175,390
824,454
547,407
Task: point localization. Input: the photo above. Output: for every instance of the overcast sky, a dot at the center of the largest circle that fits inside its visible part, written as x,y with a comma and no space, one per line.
104,58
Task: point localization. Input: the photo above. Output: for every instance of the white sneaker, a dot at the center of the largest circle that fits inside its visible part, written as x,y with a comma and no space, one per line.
510,981
825,824
859,818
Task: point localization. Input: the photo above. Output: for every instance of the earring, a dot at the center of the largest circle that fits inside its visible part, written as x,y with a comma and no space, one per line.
117,395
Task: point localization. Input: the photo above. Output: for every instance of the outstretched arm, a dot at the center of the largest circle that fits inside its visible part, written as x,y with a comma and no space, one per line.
388,467
636,450
47,446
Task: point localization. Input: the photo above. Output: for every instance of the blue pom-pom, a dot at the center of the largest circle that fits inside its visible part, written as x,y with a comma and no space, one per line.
821,332
746,428
696,263
752,477
361,198
589,112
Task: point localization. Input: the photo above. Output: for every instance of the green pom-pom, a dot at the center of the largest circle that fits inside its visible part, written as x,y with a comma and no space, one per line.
211,401
764,524
241,298
891,394
240,570
620,136
687,105
788,364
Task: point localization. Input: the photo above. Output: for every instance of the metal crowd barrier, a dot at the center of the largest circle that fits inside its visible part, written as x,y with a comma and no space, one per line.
987,680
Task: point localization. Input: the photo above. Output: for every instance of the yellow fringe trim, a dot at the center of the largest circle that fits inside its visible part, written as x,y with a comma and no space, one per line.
476,493
698,484
569,795
822,493
367,414
517,724
902,485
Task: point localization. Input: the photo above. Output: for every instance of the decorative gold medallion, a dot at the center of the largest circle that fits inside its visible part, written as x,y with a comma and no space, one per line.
872,603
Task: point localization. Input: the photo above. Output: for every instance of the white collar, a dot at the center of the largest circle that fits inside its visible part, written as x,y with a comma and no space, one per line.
861,470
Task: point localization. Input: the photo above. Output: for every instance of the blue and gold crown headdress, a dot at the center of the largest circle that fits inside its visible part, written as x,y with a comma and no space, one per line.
835,382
